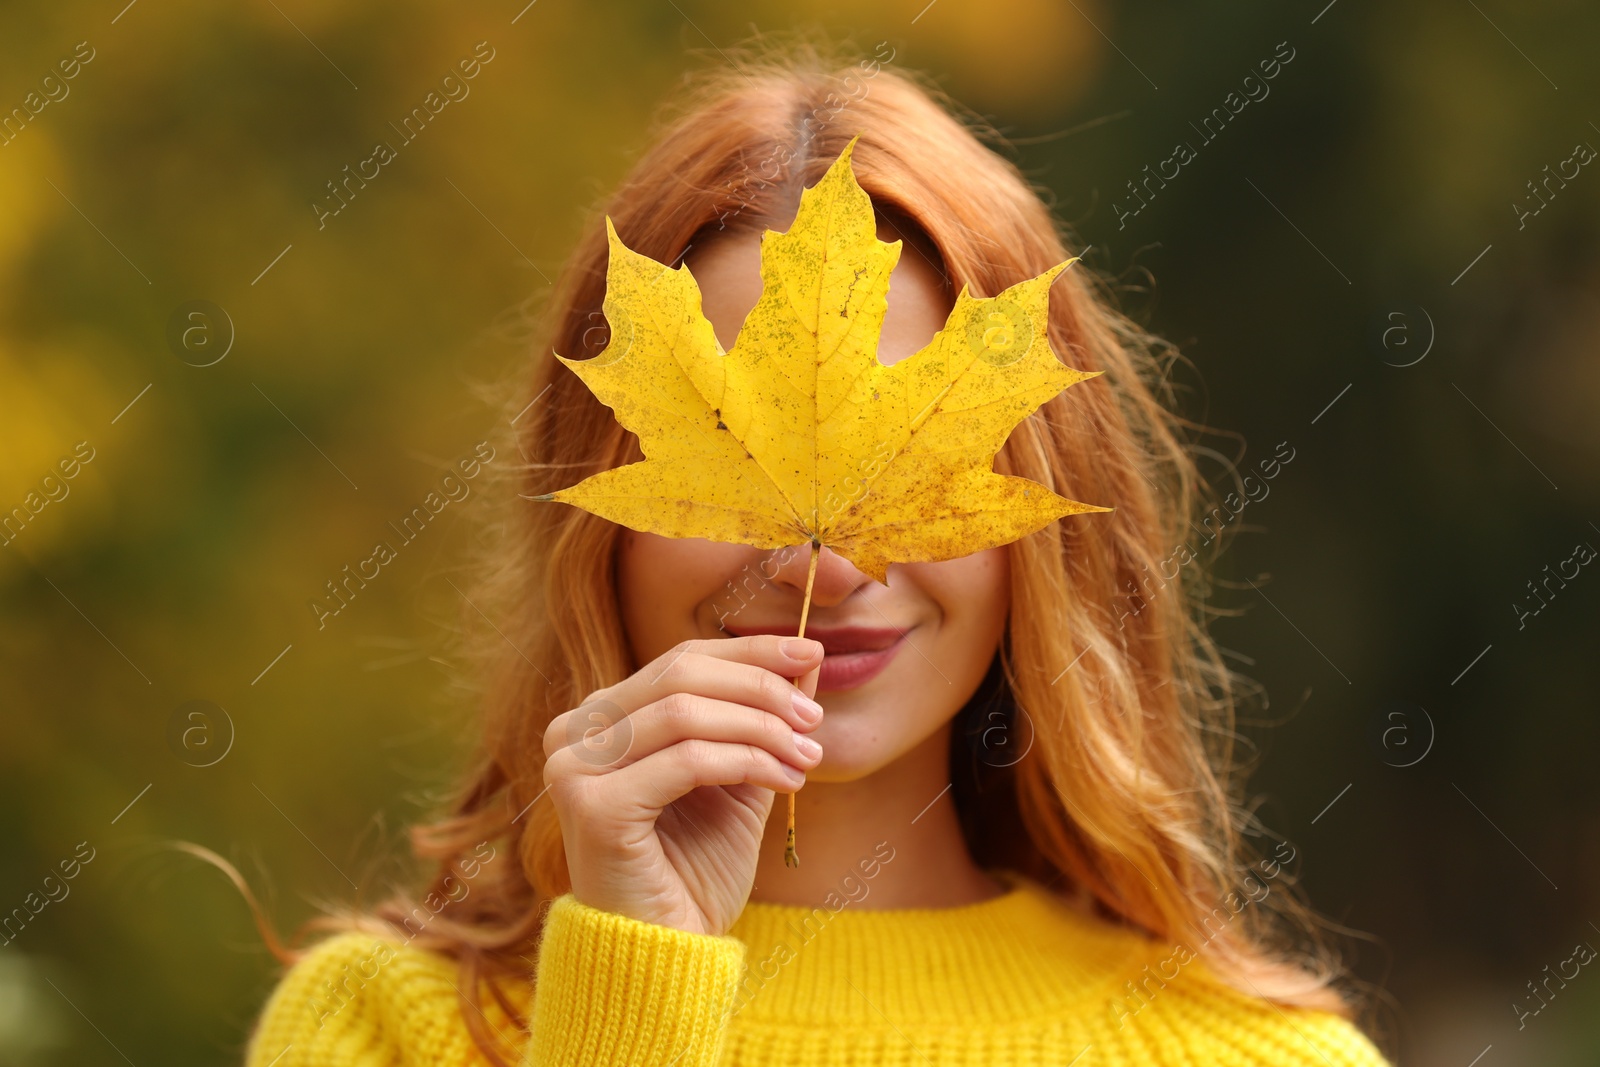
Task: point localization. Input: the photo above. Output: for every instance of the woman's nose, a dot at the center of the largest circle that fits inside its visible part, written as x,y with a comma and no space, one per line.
836,576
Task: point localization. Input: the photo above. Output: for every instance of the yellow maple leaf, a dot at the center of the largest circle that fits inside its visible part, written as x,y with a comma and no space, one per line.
798,433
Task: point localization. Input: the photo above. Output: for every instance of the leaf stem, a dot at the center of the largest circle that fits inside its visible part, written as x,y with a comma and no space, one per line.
790,858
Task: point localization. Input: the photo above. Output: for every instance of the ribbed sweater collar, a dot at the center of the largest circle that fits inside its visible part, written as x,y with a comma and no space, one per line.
1025,954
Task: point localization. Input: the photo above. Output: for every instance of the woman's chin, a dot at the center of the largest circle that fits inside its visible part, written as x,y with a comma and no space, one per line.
859,739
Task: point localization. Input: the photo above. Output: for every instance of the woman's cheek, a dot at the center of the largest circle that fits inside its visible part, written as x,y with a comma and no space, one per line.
973,595
662,583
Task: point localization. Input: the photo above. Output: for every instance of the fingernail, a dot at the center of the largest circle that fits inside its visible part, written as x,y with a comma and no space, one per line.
798,649
808,709
807,747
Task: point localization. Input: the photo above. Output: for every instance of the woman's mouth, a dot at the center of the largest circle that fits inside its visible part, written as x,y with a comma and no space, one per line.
852,655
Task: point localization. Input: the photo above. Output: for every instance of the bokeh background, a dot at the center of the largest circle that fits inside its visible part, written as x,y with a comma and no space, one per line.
1354,267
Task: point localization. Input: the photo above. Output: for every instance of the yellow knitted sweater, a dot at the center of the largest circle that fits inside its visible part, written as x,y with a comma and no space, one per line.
1020,980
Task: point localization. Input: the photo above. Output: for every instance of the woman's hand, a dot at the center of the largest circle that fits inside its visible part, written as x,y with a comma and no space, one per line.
663,782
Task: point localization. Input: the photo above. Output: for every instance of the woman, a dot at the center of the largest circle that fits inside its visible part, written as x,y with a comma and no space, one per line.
1022,843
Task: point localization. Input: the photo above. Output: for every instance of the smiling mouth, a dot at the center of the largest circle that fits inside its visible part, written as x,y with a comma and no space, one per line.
852,655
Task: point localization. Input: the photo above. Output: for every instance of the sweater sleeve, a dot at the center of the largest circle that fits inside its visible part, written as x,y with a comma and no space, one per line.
356,1000
614,990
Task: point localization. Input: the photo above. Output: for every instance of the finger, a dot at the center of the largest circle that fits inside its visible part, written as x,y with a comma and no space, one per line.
754,671
664,776
808,681
627,739
558,733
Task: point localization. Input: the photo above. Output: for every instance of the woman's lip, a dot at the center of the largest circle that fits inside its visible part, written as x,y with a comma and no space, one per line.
835,641
852,655
849,670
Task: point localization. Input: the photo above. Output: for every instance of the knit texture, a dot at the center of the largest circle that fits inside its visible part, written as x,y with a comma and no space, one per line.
1021,980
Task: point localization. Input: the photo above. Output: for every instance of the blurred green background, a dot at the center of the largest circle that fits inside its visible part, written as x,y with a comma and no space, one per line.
1442,458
